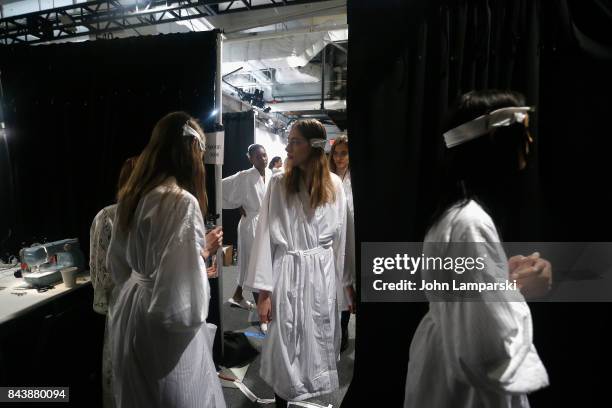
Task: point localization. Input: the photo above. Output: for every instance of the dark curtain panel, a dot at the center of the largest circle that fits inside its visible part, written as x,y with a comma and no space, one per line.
575,100
408,62
239,135
76,111
6,197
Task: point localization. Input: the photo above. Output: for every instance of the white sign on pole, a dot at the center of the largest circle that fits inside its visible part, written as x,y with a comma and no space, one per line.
214,148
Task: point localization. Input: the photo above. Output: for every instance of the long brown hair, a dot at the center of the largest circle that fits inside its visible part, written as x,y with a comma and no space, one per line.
340,140
321,190
126,172
168,154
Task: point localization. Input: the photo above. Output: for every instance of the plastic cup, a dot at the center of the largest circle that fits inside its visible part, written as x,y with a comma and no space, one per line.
69,276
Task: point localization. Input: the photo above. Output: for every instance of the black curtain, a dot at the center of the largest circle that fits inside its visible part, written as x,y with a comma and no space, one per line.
239,135
408,61
76,111
6,197
575,89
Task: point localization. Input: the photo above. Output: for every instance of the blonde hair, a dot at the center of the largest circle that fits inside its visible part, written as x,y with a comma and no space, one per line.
322,189
168,154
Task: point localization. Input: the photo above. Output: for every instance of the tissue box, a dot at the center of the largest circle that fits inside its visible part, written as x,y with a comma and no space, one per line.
228,255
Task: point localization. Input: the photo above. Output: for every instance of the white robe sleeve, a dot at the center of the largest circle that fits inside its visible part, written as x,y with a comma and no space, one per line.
233,191
488,341
93,240
181,291
259,276
349,259
339,245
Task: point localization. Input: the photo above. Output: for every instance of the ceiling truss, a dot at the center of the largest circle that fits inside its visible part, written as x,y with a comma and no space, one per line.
100,18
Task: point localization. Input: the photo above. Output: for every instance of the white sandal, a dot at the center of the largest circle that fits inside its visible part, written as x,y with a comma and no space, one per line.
243,304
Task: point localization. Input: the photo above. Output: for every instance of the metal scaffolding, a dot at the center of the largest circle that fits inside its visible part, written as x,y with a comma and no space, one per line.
101,17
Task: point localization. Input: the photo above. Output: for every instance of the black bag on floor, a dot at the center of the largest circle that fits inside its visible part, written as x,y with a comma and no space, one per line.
237,350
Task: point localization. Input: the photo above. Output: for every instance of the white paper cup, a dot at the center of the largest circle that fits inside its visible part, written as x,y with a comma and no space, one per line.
69,276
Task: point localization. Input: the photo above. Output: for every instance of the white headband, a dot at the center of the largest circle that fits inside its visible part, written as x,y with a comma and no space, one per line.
484,124
188,131
320,143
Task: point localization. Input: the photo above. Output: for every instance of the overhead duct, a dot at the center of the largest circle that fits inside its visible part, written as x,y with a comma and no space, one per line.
235,23
305,75
290,51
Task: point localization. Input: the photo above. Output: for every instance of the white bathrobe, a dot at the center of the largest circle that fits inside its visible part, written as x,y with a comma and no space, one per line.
161,345
349,278
100,235
298,255
472,353
245,189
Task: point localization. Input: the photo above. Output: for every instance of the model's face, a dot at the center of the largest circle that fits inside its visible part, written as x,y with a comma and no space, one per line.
259,159
341,156
278,164
298,148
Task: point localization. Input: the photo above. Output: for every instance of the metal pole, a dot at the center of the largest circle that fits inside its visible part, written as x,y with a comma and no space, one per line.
218,190
323,78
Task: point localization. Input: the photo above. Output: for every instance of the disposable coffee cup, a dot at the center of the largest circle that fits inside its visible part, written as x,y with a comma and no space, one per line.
69,276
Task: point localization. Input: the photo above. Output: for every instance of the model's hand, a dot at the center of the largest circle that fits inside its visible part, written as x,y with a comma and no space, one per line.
535,282
212,271
533,275
214,241
520,261
352,296
264,306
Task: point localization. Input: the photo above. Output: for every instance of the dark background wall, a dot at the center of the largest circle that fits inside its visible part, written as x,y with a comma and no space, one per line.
408,61
76,111
6,194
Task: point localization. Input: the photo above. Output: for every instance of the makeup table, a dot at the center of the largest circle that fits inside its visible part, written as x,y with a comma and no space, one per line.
16,301
51,338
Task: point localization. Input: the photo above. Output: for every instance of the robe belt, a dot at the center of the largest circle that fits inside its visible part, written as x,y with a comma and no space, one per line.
142,280
299,280
252,215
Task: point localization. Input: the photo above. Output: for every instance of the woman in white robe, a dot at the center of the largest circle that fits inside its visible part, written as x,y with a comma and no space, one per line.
245,190
100,235
476,352
161,344
276,164
347,298
296,260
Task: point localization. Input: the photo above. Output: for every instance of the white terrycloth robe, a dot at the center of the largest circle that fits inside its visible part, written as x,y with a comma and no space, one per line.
245,189
161,345
349,278
100,235
473,353
298,255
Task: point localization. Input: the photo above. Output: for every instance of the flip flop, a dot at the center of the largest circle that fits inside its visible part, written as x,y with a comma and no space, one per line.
243,304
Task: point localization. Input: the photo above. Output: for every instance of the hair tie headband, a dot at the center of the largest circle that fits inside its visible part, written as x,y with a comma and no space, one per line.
485,123
188,131
318,143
